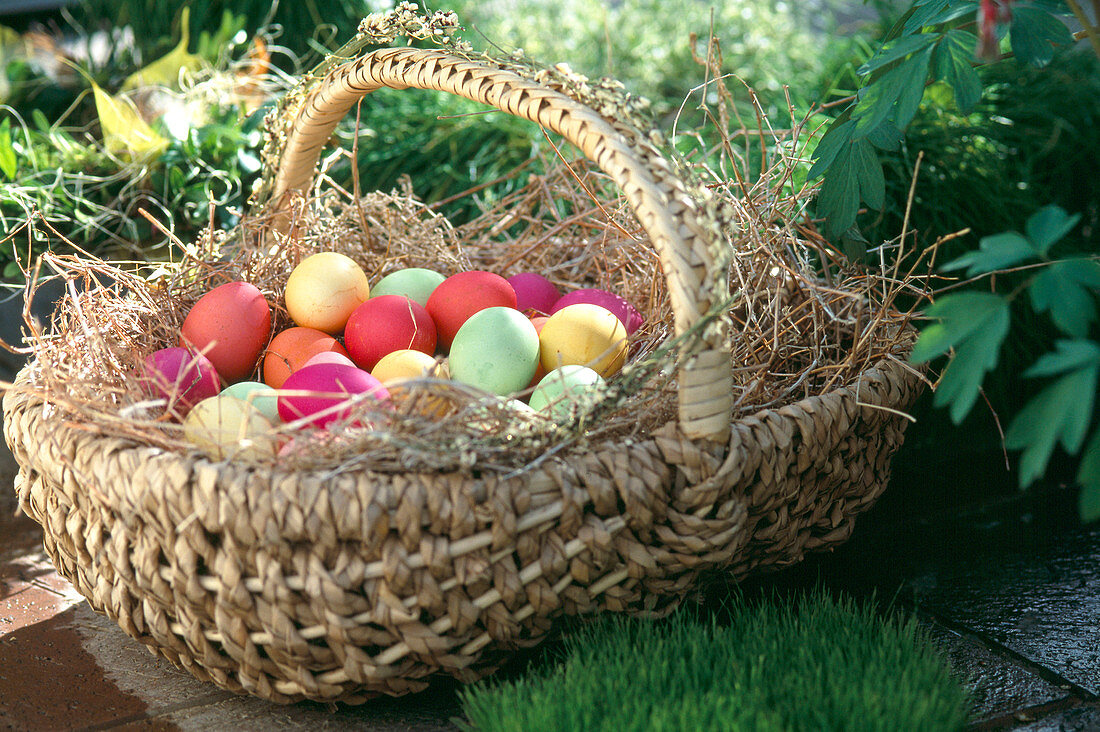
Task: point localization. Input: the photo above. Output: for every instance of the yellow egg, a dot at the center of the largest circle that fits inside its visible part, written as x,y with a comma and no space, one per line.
407,364
585,335
227,427
324,289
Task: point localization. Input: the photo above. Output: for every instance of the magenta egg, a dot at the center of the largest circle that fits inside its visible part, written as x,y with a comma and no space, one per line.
623,310
321,392
181,376
534,293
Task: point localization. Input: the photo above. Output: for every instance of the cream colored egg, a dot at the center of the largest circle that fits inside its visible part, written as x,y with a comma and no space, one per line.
227,427
324,289
408,364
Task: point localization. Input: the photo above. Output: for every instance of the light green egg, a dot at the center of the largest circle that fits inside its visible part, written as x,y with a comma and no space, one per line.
261,396
562,387
415,283
496,349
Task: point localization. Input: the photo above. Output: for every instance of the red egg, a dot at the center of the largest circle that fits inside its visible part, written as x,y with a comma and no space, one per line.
385,324
624,311
324,390
182,377
230,325
463,294
534,293
291,349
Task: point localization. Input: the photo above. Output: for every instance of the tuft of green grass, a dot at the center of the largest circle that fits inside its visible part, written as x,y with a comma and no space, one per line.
815,662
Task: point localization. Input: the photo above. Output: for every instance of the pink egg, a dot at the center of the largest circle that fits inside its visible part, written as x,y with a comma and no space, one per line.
461,295
329,357
623,310
385,324
534,293
181,376
323,388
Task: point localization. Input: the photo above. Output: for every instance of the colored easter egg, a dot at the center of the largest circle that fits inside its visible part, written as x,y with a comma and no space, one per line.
461,295
226,427
586,335
534,293
324,289
408,364
261,396
416,283
623,310
321,393
497,350
182,377
386,324
230,325
328,357
563,388
291,349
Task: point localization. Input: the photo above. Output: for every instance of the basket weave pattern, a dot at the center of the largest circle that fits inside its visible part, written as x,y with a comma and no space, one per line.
343,584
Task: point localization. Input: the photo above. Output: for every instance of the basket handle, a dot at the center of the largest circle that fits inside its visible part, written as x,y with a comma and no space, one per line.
655,192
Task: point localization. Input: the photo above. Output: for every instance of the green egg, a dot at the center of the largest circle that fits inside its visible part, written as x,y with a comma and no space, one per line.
415,283
562,387
496,349
261,396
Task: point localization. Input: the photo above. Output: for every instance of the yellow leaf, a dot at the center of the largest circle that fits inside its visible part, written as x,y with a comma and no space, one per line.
124,131
165,71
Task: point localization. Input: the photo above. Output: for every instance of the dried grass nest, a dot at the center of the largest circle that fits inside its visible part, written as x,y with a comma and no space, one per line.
794,333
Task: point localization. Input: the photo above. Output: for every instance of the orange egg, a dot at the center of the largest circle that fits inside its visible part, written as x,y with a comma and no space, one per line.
291,349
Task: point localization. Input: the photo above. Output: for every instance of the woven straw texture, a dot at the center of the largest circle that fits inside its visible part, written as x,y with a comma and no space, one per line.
337,586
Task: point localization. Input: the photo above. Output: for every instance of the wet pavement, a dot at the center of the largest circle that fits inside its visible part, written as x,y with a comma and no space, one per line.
1006,584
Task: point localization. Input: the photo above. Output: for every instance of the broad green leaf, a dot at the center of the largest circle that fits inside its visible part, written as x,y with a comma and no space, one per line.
974,356
959,315
1035,33
832,142
895,50
1066,289
7,152
41,122
855,170
952,62
1067,356
994,252
1049,224
897,92
1088,477
165,71
937,12
124,131
1059,413
886,136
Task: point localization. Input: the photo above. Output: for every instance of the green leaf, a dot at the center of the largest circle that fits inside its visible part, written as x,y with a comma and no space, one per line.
855,170
886,137
1088,477
895,50
1065,290
7,152
165,71
898,91
994,252
1035,33
1049,224
960,315
832,142
1067,356
952,62
937,12
976,355
1061,412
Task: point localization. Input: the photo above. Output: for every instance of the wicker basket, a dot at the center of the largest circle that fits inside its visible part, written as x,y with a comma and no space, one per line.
297,585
